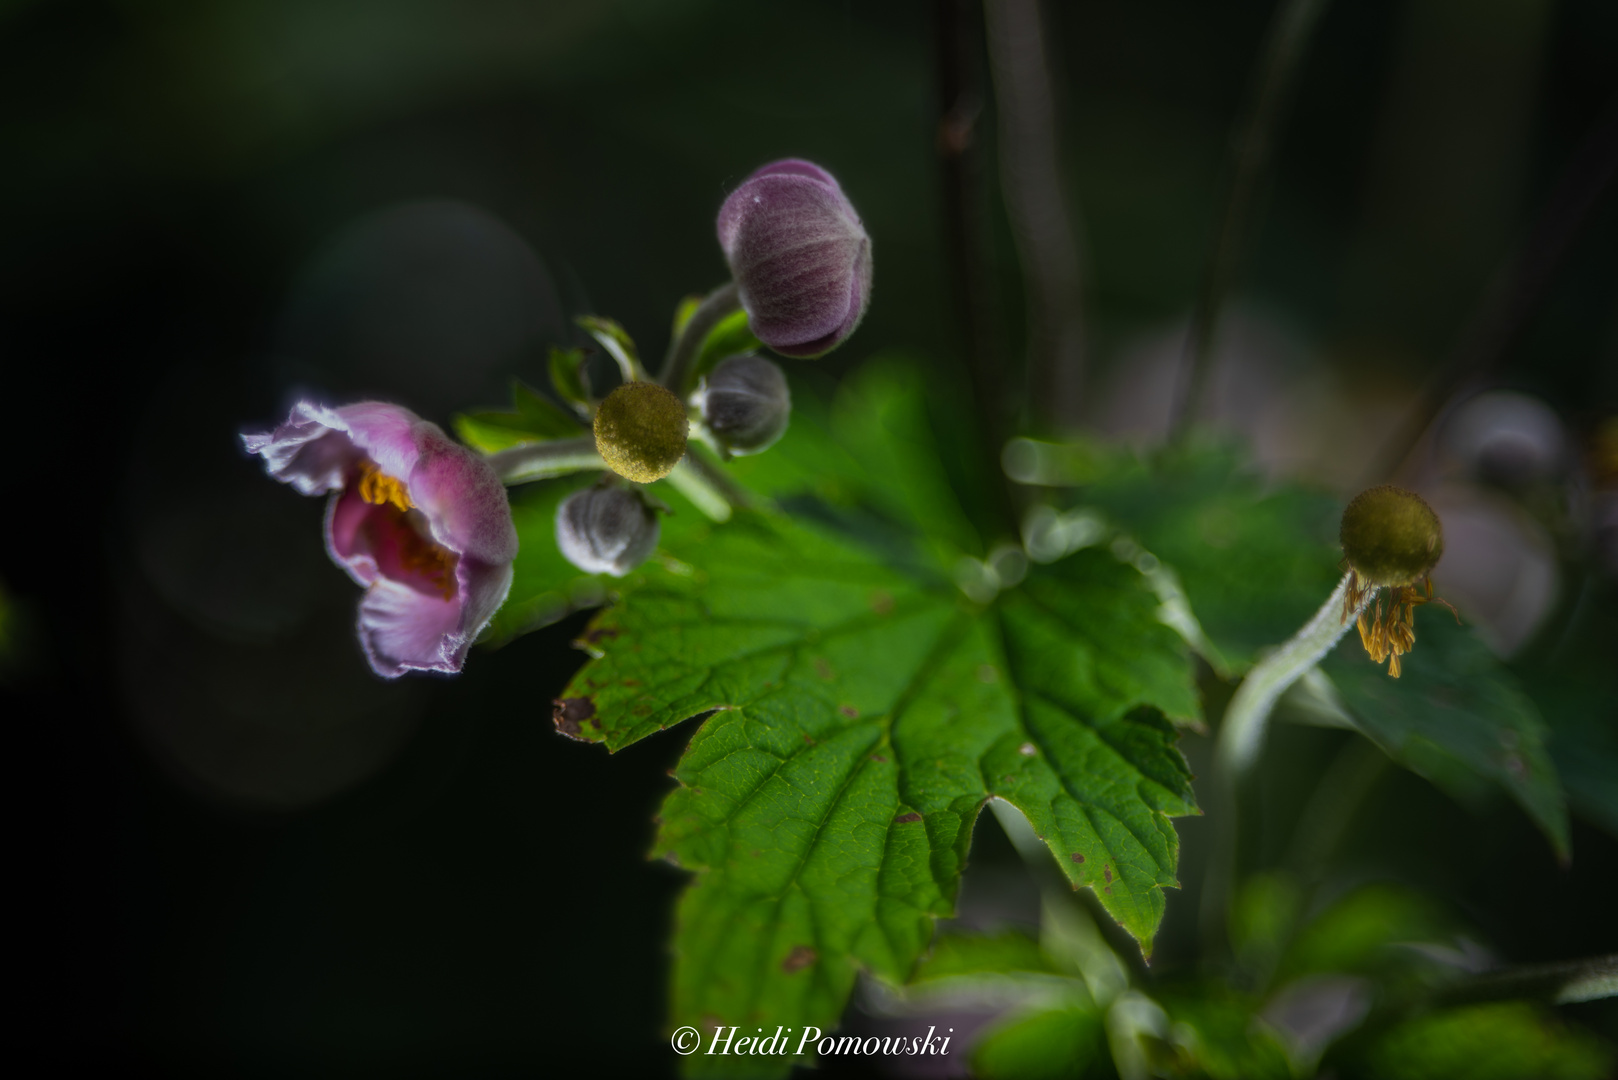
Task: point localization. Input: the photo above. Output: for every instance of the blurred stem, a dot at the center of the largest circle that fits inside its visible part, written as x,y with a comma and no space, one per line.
1352,775
709,487
1560,984
960,103
1291,31
1030,173
1241,737
687,344
537,461
1515,292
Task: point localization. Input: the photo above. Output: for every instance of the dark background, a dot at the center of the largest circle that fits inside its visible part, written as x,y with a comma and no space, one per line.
230,851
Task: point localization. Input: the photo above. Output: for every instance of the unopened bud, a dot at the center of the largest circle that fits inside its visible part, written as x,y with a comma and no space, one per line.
800,257
745,403
607,530
1391,537
641,431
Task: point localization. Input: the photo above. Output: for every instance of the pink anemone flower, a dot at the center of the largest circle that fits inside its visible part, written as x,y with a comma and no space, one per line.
422,522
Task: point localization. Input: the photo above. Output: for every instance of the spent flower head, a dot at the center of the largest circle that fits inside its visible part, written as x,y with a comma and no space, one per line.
1391,540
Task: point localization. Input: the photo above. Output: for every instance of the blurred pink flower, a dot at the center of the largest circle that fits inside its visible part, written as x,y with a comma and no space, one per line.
419,520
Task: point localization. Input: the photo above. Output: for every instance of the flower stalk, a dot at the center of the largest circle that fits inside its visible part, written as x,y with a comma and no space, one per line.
1241,735
542,460
687,344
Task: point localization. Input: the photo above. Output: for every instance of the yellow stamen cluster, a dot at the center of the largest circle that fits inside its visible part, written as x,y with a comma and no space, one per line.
377,487
1389,634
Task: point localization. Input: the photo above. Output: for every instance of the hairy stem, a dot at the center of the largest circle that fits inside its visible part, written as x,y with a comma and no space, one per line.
1241,737
537,461
687,344
1290,33
708,486
1241,733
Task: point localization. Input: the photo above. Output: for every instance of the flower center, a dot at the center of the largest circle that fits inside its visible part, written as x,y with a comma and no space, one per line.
378,487
401,531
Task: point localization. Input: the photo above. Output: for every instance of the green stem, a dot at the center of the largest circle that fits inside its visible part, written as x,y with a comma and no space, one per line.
1241,733
687,344
708,488
536,461
1241,737
1352,775
1560,984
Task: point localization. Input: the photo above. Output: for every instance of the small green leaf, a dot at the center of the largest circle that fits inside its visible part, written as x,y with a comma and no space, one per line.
1066,1043
619,345
535,419
1357,933
568,377
1217,1036
683,311
955,955
1456,716
1506,1041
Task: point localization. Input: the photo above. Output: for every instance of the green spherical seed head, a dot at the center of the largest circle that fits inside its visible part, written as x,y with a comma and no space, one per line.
641,431
1390,536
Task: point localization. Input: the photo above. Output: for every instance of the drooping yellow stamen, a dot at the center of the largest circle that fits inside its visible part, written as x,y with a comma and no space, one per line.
1388,635
377,487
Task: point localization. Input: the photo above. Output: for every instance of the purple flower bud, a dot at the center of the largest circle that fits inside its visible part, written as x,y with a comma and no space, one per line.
745,403
606,530
800,257
419,520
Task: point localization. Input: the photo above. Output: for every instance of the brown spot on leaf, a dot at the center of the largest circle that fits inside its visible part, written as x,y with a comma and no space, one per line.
1107,889
808,738
799,958
600,634
879,759
903,819
631,682
848,710
881,602
1078,856
986,673
1107,870
823,669
568,713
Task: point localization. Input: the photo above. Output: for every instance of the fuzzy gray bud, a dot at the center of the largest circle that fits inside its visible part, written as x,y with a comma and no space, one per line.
745,403
607,530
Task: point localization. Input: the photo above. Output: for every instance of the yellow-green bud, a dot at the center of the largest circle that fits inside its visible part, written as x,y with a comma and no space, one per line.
1391,537
641,430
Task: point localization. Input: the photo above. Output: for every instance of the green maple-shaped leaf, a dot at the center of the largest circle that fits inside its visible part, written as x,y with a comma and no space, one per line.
863,711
